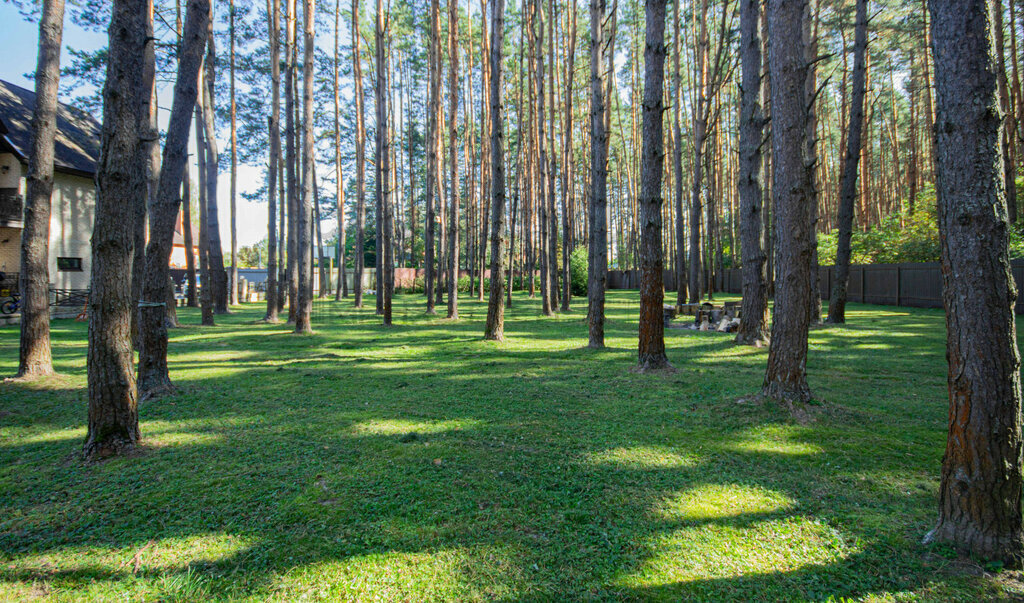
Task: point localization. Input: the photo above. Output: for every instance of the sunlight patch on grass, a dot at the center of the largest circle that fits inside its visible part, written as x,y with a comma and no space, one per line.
391,427
774,439
718,552
641,457
471,573
145,570
12,438
721,501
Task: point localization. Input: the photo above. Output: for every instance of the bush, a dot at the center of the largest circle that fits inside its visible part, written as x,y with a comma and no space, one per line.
578,271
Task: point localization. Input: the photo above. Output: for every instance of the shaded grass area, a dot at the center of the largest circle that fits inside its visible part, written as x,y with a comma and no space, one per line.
418,462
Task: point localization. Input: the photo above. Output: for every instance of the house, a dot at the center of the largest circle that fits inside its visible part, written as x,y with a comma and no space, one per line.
73,204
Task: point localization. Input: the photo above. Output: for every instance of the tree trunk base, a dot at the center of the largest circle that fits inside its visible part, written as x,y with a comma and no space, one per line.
154,387
756,339
655,363
1007,548
35,371
118,446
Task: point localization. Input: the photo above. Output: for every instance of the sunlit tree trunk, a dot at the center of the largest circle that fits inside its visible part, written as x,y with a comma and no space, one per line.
113,425
598,260
793,158
303,322
34,349
359,257
753,328
848,179
153,375
651,350
980,487
495,309
274,127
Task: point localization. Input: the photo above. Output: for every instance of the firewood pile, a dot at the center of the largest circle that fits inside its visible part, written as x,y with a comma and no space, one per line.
708,317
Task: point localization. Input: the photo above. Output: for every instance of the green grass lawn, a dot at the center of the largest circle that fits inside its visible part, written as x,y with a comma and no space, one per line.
283,468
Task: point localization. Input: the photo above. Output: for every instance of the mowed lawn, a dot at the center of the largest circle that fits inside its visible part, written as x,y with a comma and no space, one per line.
419,462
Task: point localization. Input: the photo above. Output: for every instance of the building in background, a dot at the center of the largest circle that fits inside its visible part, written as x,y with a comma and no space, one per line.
73,204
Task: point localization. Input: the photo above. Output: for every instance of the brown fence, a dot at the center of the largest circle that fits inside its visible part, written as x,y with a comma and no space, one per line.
916,285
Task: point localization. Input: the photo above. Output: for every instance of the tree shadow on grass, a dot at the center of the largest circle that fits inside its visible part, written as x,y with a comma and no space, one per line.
560,479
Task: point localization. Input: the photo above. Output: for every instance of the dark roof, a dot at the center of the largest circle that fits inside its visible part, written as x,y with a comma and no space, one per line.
77,145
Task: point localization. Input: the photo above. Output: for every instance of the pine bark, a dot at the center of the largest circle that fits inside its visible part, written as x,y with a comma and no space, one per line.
453,165
651,349
495,329
274,127
848,178
233,277
385,278
793,159
598,248
434,103
568,172
677,161
753,328
304,223
341,289
113,425
291,161
153,375
218,276
700,127
360,143
980,487
34,359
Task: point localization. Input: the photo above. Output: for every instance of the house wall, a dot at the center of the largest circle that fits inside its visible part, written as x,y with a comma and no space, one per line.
10,238
72,211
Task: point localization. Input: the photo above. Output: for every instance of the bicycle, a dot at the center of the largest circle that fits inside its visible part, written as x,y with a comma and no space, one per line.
11,305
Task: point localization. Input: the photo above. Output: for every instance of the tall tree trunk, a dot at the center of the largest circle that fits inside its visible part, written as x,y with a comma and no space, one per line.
453,166
568,176
434,101
274,126
1008,133
341,289
700,127
677,160
495,329
233,277
120,183
848,179
150,133
359,253
543,218
205,289
753,328
34,349
385,277
218,277
651,350
291,160
552,154
153,375
793,158
303,322
980,488
598,261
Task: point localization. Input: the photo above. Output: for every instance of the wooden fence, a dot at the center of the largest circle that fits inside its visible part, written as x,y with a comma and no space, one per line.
915,285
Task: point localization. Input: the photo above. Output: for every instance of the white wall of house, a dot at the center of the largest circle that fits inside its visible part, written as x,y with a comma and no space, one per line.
72,210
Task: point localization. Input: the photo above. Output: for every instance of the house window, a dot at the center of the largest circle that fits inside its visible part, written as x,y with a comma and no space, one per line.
69,264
